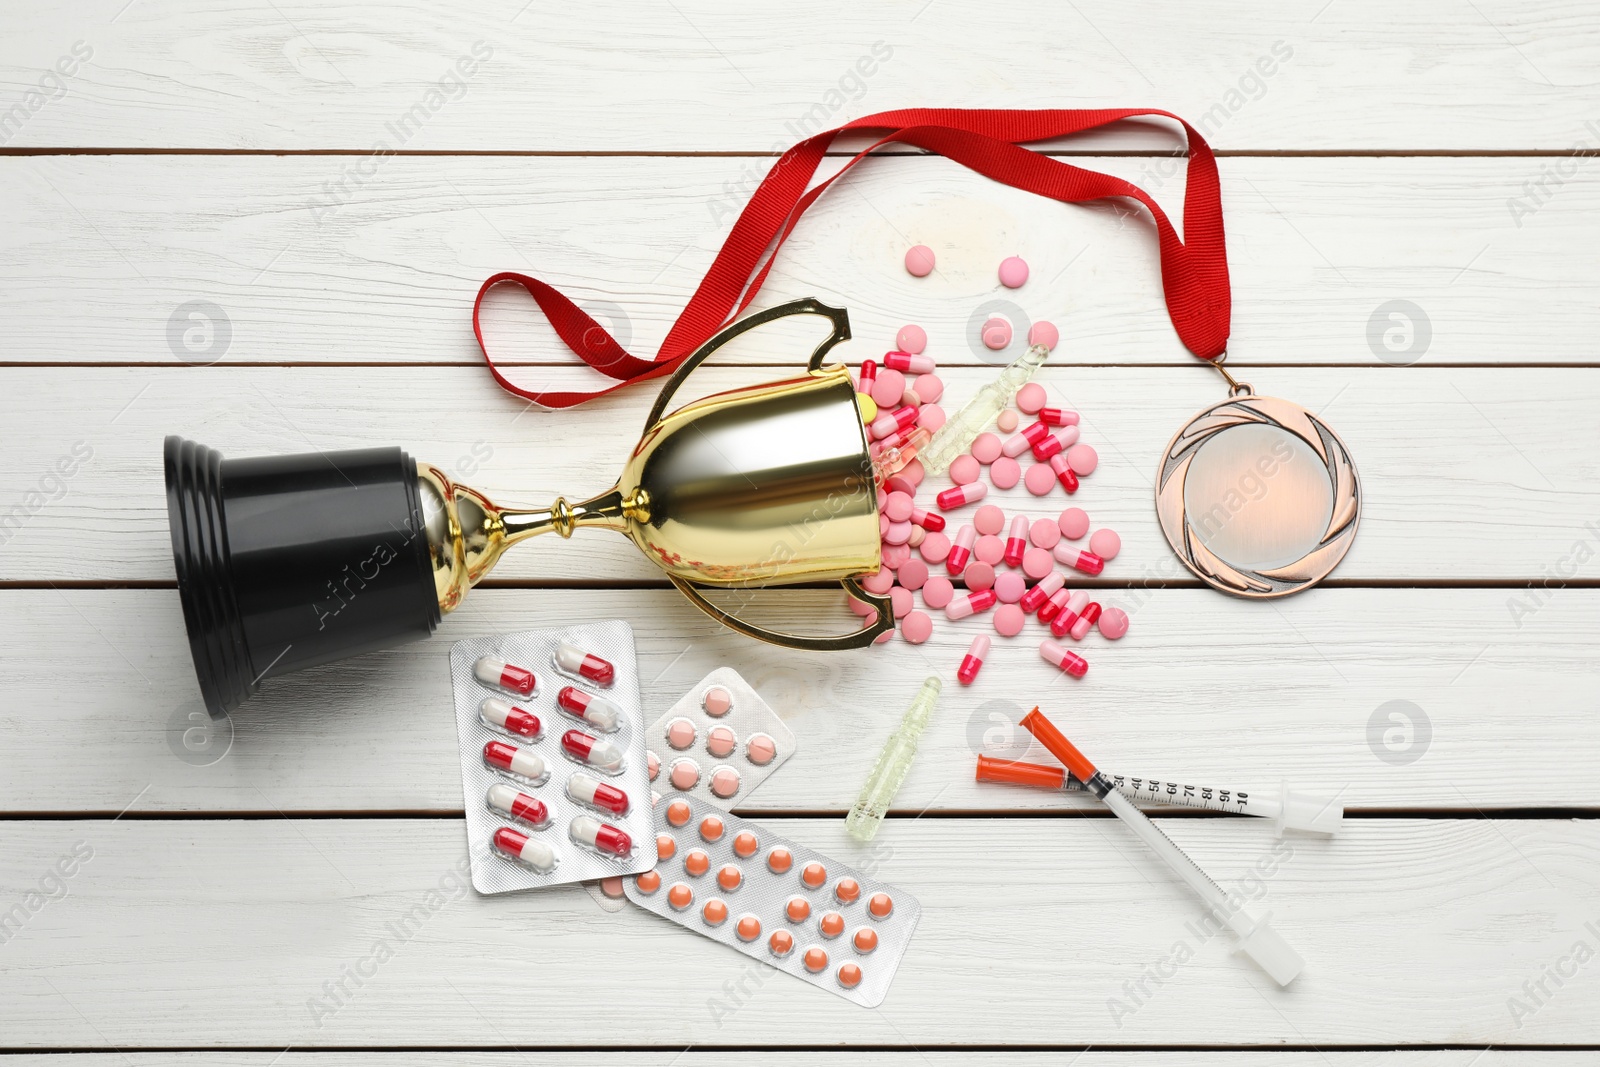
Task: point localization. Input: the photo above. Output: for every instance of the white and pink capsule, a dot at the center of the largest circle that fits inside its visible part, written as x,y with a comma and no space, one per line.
1053,606
1016,541
1058,417
1087,618
602,837
892,422
972,662
599,712
961,550
499,674
509,717
1077,559
1067,662
959,496
594,751
970,604
1036,597
1064,473
574,660
907,363
524,764
1029,436
1070,614
526,850
509,800
596,794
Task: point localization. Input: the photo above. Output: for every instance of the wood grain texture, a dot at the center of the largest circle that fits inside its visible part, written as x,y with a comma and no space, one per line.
101,712
692,1057
97,253
1358,74
221,933
1466,473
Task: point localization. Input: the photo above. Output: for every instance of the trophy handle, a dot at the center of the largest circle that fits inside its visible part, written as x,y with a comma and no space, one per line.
858,639
807,306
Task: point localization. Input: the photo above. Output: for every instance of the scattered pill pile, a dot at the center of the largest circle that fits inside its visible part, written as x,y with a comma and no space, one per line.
1010,568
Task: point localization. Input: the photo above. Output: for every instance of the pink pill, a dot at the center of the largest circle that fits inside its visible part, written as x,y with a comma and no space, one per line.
898,483
1113,623
911,339
1013,272
1005,472
888,389
996,334
910,399
914,471
1044,533
964,470
883,637
1105,544
1074,523
1037,562
989,549
919,261
912,573
930,417
1082,459
898,507
1043,333
1008,620
979,576
935,547
895,556
928,387
898,533
860,607
1007,422
1008,586
937,591
1040,479
986,448
880,582
1030,398
989,519
685,773
916,627
917,534
901,599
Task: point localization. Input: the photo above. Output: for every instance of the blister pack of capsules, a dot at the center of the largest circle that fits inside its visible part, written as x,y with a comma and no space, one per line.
718,742
553,766
776,901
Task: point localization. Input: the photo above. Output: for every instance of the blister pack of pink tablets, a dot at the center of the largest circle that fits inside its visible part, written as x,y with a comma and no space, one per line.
553,765
718,742
776,901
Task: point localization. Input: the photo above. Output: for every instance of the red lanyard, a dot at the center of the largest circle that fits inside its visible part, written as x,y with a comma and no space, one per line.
1194,273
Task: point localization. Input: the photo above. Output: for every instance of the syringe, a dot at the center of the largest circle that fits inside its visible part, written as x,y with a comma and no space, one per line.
1293,811
1257,939
957,434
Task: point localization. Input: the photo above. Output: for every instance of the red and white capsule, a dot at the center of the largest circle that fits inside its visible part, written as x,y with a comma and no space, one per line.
574,660
1077,559
524,849
1053,607
961,550
518,761
509,800
1089,616
502,675
959,496
594,751
906,363
972,662
1034,598
927,520
1058,417
1070,614
596,794
1016,541
509,717
1067,662
602,837
1049,445
892,422
868,376
595,710
1064,473
1030,435
971,604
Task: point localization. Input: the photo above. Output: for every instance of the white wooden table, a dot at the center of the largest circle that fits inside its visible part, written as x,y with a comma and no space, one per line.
221,153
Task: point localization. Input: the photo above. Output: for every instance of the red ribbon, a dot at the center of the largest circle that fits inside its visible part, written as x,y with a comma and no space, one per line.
1194,272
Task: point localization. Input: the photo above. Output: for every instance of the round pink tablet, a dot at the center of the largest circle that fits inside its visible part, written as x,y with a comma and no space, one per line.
1040,479
912,573
979,576
1005,472
911,339
883,638
1043,333
1074,523
909,398
989,549
685,774
919,260
1030,398
1008,586
895,556
916,627
964,470
1044,533
899,483
935,547
1008,620
1113,623
989,519
898,507
914,471
937,591
1082,459
1037,562
917,534
1013,272
717,701
986,448
1007,421
883,525
931,418
724,782
898,533
720,741
860,607
680,733
761,749
928,387
996,334
901,599
1105,544
886,391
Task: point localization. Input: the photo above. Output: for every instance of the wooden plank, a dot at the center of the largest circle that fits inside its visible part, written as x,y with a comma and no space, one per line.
1383,698
97,254
254,920
529,1057
694,76
1466,473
